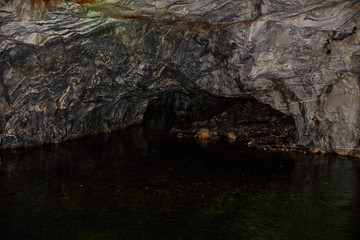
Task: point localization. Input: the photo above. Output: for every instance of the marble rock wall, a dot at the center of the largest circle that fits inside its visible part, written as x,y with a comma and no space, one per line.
70,70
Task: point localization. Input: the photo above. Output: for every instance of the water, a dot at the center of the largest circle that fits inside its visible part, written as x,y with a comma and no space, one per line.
123,186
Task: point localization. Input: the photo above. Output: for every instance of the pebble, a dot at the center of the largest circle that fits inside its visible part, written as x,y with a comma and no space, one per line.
204,133
231,136
315,150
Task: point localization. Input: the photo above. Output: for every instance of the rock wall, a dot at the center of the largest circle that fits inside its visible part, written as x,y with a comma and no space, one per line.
83,69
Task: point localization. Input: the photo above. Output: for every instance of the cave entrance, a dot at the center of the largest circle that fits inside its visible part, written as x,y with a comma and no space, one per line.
182,115
180,110
158,120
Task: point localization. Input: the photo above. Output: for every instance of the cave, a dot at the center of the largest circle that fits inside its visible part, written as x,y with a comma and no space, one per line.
178,119
86,67
180,115
158,119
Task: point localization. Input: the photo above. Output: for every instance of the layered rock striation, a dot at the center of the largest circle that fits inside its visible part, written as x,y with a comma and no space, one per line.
83,69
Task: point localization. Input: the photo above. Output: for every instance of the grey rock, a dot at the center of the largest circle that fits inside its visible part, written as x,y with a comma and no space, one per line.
79,70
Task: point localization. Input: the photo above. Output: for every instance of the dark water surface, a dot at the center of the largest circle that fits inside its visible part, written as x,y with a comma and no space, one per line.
122,186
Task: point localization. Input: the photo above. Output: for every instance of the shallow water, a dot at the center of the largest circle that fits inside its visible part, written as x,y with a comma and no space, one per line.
123,186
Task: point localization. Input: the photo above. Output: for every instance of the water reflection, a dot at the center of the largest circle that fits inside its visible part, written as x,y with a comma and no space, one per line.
123,186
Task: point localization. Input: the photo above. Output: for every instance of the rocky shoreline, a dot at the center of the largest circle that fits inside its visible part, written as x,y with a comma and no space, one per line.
266,129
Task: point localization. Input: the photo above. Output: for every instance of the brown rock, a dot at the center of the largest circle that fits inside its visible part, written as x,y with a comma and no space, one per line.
204,133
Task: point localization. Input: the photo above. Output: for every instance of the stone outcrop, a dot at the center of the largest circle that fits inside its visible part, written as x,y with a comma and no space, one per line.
81,69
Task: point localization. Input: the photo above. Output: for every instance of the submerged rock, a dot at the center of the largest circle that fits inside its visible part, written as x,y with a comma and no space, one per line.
83,69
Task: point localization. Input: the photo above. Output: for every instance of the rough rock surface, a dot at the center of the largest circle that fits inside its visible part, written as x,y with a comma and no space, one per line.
264,129
78,70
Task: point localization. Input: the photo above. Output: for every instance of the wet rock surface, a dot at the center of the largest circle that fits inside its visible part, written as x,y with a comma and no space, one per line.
71,70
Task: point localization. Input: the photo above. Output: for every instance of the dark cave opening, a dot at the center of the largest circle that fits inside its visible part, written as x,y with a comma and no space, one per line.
180,110
245,120
158,120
